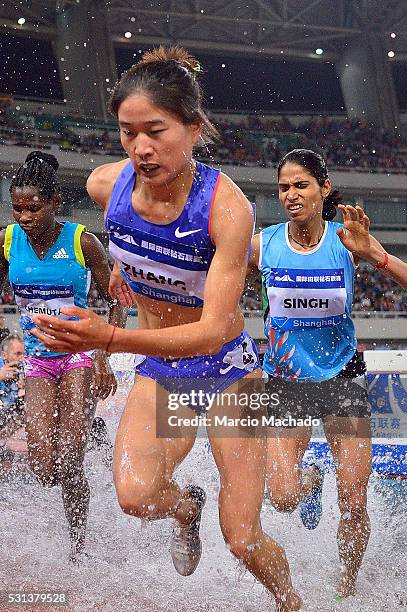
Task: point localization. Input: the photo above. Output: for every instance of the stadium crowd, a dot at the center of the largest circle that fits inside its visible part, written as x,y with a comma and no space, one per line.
375,293
348,144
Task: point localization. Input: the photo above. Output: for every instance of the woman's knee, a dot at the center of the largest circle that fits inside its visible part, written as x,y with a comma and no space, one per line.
140,479
241,539
284,498
136,499
72,476
241,528
284,481
352,500
46,473
70,467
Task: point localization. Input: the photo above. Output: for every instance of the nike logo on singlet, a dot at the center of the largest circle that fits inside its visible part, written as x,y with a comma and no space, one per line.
179,234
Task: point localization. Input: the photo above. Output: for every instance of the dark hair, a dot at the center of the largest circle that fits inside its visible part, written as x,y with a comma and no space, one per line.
316,166
169,76
38,170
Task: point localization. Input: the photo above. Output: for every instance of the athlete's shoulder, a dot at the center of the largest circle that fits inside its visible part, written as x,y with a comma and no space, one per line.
92,249
231,209
89,241
229,194
6,239
102,179
231,213
108,171
272,230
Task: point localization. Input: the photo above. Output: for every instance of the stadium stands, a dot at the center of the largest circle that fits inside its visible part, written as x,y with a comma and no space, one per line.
251,141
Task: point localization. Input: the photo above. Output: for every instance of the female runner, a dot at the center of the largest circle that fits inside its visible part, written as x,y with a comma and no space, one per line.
49,266
179,232
307,270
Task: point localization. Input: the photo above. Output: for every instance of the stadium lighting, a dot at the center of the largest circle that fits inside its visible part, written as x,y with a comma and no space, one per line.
128,35
21,21
391,54
319,51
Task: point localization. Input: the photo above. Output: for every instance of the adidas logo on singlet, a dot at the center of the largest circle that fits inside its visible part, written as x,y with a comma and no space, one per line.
61,254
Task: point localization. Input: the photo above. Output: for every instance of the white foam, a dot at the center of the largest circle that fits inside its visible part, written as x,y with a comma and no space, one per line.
130,568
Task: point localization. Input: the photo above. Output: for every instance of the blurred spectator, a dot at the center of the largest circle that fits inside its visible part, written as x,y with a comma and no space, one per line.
11,396
99,441
251,299
7,298
11,376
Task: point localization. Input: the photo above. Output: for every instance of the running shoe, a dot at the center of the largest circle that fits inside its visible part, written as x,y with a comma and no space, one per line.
186,546
98,436
99,441
311,505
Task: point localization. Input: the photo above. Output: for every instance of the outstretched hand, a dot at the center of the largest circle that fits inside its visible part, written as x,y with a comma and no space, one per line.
62,336
355,234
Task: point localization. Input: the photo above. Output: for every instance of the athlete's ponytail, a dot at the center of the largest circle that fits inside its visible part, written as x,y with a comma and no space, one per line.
38,170
330,205
316,166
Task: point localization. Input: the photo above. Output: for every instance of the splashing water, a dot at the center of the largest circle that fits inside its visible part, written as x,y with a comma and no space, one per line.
129,566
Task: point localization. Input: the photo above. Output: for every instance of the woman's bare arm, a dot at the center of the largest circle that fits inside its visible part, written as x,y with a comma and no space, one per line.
363,245
232,223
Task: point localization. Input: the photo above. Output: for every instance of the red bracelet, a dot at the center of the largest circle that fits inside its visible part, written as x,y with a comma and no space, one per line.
385,262
110,339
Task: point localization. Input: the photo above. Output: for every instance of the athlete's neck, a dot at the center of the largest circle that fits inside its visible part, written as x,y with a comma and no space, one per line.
174,193
309,234
43,241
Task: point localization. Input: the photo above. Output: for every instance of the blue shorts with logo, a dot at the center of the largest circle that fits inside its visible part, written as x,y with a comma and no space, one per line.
209,373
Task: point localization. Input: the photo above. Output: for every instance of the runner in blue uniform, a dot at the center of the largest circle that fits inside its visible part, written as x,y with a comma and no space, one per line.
180,233
49,266
311,358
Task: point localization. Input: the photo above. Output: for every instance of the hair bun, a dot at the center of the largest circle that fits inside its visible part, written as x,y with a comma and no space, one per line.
172,54
51,160
330,205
